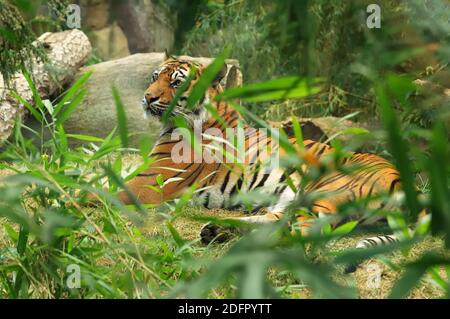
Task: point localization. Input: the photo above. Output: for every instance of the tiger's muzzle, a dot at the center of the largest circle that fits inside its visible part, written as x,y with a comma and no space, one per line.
152,105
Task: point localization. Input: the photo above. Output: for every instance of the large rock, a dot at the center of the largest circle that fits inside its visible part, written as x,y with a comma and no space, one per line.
66,52
96,116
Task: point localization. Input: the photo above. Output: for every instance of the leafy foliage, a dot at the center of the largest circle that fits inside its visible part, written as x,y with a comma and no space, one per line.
46,229
330,39
17,33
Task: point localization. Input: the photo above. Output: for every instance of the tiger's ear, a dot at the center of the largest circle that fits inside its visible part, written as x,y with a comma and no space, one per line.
167,56
220,75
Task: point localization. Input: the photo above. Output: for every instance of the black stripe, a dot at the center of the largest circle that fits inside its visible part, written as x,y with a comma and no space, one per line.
160,153
231,120
322,182
321,206
344,187
184,169
213,124
322,150
237,186
225,182
393,183
309,145
390,239
206,203
263,180
283,177
194,175
281,190
197,171
146,174
255,175
169,131
167,142
365,181
372,186
256,209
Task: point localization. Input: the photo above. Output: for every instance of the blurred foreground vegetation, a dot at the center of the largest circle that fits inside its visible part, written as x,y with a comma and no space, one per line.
369,76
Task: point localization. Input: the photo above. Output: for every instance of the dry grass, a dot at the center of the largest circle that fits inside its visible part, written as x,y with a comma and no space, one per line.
189,229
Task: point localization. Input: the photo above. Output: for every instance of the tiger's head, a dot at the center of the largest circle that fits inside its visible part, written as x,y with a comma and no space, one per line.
165,82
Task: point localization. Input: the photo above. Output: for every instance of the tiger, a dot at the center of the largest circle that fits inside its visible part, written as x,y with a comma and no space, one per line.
216,183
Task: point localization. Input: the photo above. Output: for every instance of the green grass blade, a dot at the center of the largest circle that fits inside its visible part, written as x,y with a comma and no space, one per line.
399,150
71,92
121,117
65,113
30,108
207,77
282,88
439,179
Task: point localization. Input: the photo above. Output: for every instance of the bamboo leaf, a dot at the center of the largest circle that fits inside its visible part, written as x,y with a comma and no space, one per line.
121,117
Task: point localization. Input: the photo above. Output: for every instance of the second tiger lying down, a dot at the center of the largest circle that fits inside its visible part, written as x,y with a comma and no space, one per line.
217,181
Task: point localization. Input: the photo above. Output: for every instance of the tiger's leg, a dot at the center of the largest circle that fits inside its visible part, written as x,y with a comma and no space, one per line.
322,206
274,213
218,233
210,231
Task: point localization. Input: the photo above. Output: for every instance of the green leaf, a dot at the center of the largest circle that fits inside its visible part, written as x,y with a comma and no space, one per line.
63,143
30,108
65,113
282,88
160,180
110,143
145,146
37,98
440,189
207,77
345,229
297,132
71,92
399,150
121,117
22,240
48,106
401,87
175,235
12,234
119,181
87,138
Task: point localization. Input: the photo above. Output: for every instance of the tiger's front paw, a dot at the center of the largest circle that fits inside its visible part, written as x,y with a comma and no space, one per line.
217,233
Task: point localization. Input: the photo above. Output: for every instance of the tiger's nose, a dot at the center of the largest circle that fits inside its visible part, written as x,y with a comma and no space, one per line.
150,98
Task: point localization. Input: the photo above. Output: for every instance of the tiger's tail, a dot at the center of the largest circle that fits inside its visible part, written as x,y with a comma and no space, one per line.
395,201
